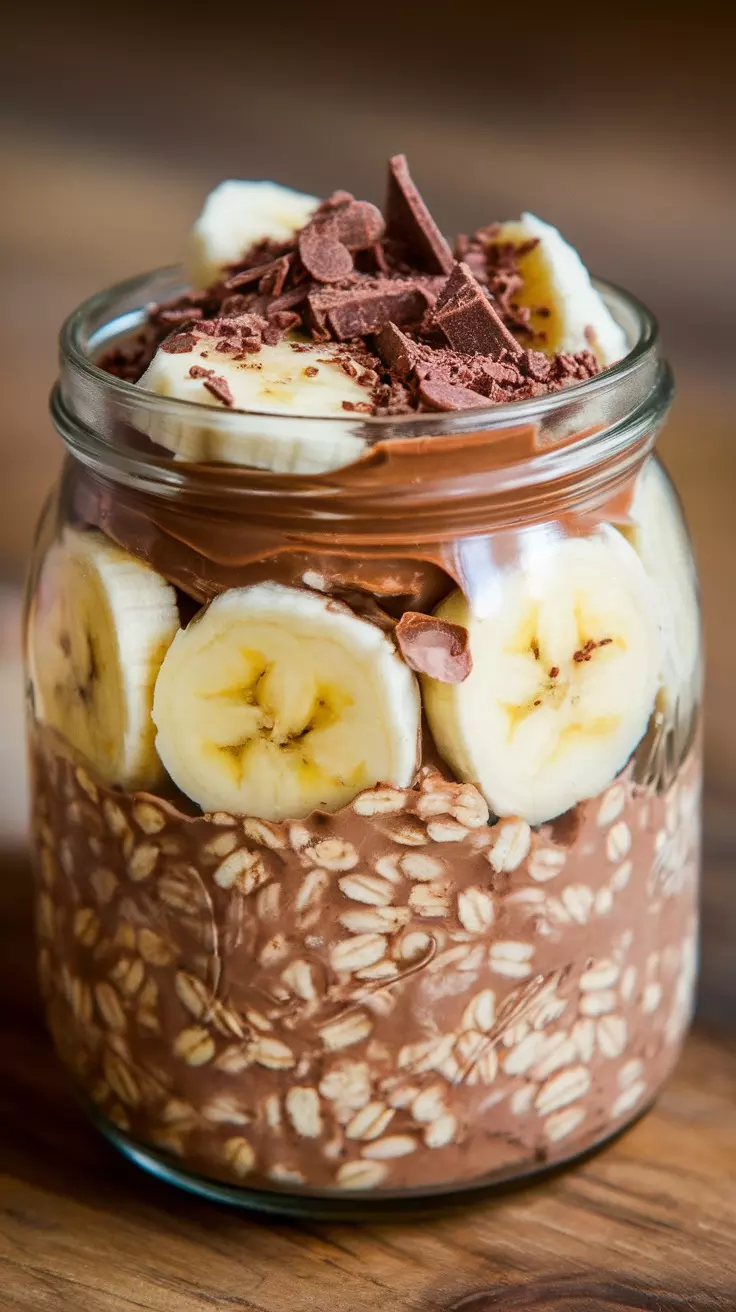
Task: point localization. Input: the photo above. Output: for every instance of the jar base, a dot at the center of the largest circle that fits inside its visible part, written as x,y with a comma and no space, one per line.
409,1205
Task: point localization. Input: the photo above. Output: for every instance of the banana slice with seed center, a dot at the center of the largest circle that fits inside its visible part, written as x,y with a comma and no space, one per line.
100,624
276,380
234,217
276,701
555,277
565,674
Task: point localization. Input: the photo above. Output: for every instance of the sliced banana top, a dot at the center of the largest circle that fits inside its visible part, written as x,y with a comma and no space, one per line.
234,217
100,624
277,701
279,380
567,655
555,276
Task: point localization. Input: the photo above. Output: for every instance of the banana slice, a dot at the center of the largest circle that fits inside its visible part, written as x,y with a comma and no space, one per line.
276,701
100,624
235,216
277,379
555,276
659,537
566,659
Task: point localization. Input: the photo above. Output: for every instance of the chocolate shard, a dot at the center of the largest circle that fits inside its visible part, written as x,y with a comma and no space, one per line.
439,394
409,222
323,254
469,321
434,646
398,352
367,307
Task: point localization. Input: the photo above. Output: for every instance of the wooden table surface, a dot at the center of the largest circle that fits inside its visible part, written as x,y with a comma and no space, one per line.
650,1222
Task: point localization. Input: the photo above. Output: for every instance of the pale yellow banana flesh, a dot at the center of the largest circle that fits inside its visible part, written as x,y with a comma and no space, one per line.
100,624
234,217
276,701
566,668
279,380
555,278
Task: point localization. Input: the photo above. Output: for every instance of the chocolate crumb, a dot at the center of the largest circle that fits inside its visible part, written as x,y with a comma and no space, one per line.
220,389
179,344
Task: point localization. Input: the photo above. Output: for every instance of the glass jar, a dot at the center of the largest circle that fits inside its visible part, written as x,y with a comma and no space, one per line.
455,941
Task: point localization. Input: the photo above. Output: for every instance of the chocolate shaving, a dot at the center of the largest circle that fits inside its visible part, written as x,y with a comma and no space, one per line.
359,225
270,277
468,320
434,646
323,254
220,388
409,222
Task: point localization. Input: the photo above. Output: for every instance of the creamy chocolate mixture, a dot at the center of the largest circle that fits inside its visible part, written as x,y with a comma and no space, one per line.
397,996
410,991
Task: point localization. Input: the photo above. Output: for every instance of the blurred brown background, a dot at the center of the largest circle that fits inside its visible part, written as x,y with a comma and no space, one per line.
615,123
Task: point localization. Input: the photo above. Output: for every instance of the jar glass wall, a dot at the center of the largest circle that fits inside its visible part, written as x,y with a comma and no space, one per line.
366,803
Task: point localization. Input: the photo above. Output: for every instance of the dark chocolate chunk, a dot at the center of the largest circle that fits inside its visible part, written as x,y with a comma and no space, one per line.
468,320
434,646
367,307
398,352
323,254
409,222
220,389
438,394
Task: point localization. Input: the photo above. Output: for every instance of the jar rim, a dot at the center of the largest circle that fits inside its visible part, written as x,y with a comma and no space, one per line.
75,341
468,466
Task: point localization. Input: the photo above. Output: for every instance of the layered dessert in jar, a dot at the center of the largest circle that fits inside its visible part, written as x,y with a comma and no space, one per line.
363,669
